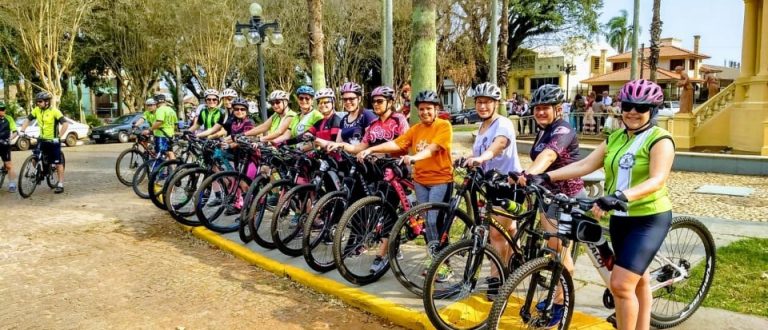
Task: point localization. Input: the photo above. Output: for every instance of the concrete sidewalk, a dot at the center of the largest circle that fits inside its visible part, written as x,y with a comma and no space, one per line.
388,299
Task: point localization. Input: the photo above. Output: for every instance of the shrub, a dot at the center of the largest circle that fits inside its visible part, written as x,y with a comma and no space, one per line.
69,105
93,121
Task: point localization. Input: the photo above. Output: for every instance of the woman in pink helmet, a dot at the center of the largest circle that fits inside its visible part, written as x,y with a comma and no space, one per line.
637,161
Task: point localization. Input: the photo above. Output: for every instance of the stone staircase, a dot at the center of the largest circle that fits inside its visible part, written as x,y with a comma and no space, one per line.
706,111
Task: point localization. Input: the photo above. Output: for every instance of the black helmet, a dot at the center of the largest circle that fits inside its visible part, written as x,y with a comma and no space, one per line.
2,105
159,98
45,96
487,89
547,94
427,97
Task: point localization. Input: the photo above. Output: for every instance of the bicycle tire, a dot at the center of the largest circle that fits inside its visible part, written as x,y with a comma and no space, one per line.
288,220
52,178
364,246
157,185
245,233
125,173
455,304
180,195
2,176
317,244
231,196
694,289
258,219
139,181
409,270
28,171
517,285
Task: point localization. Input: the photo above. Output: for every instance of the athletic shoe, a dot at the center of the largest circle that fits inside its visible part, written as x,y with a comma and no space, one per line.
493,287
558,311
444,273
59,188
294,220
272,200
231,210
11,187
378,264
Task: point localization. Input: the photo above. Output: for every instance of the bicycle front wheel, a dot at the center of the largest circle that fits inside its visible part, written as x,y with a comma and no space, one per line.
53,178
522,301
221,212
156,185
261,209
321,224
459,284
126,165
688,245
140,178
28,177
289,217
180,195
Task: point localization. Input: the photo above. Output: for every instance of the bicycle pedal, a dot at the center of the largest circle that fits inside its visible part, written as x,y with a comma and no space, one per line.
612,320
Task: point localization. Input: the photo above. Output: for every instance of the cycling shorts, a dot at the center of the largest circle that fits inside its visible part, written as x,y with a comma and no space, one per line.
51,150
5,152
162,144
636,240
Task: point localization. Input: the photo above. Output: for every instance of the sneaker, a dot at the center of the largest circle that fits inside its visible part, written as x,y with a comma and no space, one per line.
378,264
295,220
558,311
11,187
231,210
357,252
216,200
444,273
272,200
493,288
59,188
399,255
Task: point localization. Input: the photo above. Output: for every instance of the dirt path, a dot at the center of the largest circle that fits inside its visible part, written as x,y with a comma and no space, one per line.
99,257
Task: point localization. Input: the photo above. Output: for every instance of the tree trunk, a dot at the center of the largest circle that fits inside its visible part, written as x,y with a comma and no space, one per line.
655,35
179,91
503,59
635,32
423,50
316,42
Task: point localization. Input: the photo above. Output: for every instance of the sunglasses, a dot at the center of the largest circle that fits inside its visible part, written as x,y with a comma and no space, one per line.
640,108
379,101
324,102
275,102
238,109
212,100
348,99
304,98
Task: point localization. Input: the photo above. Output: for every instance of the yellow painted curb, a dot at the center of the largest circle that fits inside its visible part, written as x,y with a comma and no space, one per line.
398,314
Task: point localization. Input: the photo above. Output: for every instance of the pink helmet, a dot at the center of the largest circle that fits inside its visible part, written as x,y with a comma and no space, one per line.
351,87
641,91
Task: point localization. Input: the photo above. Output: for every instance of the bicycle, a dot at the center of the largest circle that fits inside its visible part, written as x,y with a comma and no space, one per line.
131,159
35,169
681,272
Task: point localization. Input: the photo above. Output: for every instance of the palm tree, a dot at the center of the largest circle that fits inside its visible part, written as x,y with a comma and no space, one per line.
618,32
316,42
655,35
423,49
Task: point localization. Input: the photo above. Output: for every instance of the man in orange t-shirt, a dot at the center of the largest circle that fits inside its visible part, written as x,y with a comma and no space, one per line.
429,144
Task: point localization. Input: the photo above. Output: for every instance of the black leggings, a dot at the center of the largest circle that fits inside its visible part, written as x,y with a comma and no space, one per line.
637,239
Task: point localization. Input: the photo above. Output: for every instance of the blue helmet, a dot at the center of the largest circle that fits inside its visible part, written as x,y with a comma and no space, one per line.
308,90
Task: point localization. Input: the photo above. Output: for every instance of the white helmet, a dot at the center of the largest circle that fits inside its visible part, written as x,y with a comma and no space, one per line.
211,91
229,92
278,95
324,93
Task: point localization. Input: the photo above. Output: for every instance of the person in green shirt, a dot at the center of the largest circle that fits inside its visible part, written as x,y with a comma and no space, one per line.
149,115
7,133
304,121
210,114
52,123
279,122
164,126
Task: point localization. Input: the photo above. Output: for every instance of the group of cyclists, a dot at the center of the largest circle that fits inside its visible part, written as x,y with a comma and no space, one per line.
637,160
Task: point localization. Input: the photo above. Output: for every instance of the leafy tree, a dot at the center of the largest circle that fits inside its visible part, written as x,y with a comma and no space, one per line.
618,31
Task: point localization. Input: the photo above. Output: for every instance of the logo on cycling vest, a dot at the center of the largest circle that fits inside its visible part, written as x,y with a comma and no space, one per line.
423,144
627,161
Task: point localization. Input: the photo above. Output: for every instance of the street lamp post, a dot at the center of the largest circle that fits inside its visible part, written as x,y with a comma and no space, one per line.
256,29
568,68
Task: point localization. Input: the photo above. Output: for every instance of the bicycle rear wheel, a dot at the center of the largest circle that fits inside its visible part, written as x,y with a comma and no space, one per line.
28,177
288,219
245,232
321,224
221,212
409,254
521,303
156,185
180,195
688,245
140,178
53,179
261,209
126,165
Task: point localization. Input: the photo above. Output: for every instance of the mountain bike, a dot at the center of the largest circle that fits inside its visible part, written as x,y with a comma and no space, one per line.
681,272
36,168
131,159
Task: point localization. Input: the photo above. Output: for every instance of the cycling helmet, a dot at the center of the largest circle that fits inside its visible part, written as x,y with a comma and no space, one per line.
229,92
641,91
211,92
241,102
159,98
278,95
547,94
385,91
150,101
487,89
427,97
305,90
324,93
351,87
2,105
45,96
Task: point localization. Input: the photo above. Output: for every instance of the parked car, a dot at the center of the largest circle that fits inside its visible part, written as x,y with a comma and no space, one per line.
466,116
669,108
119,130
75,131
442,114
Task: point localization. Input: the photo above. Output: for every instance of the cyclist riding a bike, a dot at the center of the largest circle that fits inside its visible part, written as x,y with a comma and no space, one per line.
429,142
637,162
164,127
51,121
7,133
495,148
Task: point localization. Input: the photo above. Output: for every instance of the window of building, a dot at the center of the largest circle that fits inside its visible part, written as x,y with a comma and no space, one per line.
692,64
619,65
595,63
675,63
538,82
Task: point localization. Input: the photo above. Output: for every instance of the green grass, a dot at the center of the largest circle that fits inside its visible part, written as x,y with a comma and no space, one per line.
741,277
465,128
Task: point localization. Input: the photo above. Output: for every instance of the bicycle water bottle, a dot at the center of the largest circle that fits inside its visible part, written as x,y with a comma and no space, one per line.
606,254
511,206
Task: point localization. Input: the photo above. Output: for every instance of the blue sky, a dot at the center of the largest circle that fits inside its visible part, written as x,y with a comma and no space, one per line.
719,22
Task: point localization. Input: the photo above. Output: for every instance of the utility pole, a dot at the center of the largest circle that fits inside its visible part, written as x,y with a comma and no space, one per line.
642,59
494,41
635,32
387,66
